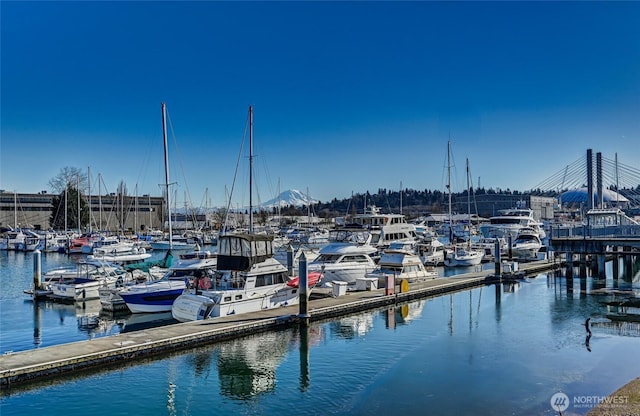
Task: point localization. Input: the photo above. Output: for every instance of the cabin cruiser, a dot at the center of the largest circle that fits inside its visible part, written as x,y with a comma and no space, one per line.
401,262
248,279
488,246
510,222
373,228
527,245
431,252
343,262
85,282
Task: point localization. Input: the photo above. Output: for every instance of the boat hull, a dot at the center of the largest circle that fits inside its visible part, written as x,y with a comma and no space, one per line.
157,301
78,290
191,307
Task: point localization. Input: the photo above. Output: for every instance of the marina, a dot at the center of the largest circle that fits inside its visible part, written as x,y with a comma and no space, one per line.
19,367
347,338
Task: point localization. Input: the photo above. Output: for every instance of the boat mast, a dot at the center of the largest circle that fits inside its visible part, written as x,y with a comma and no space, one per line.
15,210
100,201
78,192
449,189
150,217
166,170
468,206
400,197
66,209
250,170
89,197
135,217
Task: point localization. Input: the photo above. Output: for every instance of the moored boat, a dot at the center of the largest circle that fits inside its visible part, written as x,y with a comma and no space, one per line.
248,279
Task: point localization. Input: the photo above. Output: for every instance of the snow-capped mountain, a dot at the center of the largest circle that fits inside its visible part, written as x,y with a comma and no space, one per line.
290,197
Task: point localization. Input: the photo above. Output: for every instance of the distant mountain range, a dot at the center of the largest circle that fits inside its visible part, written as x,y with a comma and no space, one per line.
290,197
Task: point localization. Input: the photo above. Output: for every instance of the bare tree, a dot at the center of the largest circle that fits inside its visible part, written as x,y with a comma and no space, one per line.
68,176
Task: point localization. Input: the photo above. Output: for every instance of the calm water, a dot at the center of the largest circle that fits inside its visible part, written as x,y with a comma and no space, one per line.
495,350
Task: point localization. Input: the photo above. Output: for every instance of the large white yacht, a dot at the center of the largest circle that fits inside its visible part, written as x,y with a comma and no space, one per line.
343,262
510,222
373,228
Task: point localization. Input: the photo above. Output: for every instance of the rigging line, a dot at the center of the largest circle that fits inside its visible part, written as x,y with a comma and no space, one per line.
235,173
179,157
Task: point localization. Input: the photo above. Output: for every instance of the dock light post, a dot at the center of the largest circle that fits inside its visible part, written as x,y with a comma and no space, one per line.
303,286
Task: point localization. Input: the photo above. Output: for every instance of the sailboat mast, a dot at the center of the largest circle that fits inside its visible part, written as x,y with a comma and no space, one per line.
100,201
15,209
66,209
78,192
449,188
166,169
468,205
89,197
250,170
135,217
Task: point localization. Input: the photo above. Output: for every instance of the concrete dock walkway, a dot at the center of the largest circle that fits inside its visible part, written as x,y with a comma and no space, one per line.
55,360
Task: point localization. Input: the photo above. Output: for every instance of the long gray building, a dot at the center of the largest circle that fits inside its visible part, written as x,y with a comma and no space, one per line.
108,212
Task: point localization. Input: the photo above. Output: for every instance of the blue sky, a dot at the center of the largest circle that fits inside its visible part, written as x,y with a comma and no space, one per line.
347,96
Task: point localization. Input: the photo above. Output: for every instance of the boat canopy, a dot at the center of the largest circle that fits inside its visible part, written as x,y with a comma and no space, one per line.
242,251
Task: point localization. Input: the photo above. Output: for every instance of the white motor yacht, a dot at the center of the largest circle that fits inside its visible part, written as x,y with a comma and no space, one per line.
527,245
343,262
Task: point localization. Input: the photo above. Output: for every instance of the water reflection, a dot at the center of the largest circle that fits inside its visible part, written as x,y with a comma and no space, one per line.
89,318
247,366
354,326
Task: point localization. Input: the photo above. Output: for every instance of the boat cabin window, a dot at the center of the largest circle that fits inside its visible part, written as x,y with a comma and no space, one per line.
355,258
270,279
328,258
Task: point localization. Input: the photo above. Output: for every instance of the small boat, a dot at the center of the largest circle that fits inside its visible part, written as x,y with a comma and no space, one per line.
177,242
402,264
133,256
463,256
312,279
91,275
159,295
527,245
431,252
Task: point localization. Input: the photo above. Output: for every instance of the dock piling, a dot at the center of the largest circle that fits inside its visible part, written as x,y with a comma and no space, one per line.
290,259
498,260
37,271
303,286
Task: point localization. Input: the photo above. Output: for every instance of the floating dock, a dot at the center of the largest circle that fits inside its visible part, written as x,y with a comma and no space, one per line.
36,364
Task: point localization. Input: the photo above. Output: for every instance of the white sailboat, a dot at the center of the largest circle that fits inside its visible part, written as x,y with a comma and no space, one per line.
460,254
172,242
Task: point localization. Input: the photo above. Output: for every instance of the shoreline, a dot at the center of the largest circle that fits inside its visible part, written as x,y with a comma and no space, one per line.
628,402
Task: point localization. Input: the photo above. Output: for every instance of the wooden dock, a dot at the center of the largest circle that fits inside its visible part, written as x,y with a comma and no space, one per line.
33,365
